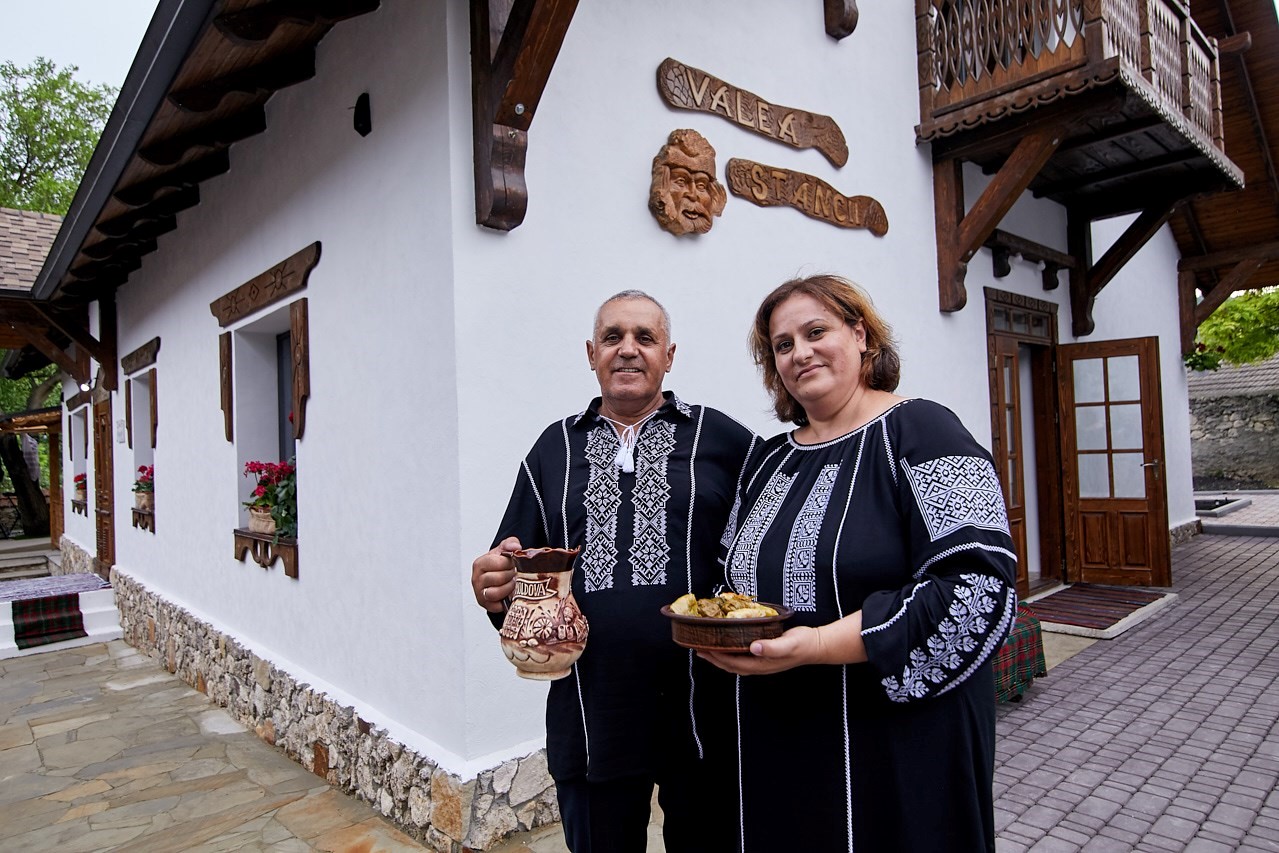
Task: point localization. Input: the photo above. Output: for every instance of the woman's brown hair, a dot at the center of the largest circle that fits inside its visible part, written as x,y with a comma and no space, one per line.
881,367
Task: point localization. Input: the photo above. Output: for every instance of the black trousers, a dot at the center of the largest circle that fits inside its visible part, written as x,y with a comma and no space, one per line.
613,816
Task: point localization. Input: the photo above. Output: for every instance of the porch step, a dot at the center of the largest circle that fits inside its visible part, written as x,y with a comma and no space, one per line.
101,622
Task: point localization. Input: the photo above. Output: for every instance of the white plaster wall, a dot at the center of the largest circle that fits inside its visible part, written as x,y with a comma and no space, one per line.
377,607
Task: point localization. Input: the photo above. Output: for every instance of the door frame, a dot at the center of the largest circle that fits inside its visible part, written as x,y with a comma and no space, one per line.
103,485
1040,332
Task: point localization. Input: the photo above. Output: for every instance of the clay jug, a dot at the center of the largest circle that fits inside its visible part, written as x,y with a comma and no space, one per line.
544,632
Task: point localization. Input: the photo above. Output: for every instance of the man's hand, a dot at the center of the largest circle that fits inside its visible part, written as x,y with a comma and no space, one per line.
493,575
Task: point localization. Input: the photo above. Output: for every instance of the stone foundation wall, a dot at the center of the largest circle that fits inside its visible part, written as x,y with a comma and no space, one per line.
1236,439
445,812
1183,533
75,560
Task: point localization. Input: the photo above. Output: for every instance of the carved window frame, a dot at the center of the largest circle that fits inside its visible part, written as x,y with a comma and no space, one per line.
139,370
233,310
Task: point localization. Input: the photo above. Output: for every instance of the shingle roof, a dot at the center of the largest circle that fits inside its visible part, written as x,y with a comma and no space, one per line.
25,239
1235,380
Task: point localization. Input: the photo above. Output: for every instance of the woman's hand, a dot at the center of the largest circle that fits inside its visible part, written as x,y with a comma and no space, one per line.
837,643
493,575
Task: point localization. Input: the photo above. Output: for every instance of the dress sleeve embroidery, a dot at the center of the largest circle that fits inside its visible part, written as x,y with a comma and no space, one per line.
957,491
962,641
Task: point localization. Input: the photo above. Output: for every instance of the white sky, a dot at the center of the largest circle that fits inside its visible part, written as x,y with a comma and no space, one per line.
100,36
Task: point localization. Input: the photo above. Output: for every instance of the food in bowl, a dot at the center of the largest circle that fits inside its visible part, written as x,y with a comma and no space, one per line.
726,605
728,622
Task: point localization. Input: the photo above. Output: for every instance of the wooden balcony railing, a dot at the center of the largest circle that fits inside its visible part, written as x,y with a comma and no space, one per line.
980,60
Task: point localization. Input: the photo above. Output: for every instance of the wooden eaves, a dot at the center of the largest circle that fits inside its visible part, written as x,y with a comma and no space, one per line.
199,84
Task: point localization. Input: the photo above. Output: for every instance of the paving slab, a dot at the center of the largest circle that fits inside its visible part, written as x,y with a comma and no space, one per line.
100,748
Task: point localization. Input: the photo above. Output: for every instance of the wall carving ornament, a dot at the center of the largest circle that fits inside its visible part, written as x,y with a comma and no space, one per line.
685,196
770,186
688,88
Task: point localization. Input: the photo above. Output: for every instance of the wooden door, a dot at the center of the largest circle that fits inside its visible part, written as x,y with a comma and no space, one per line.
1005,402
1113,465
103,480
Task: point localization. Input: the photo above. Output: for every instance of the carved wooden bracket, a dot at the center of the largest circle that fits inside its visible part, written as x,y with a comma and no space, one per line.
288,276
80,507
1004,245
1086,281
265,550
960,234
144,519
514,44
102,348
841,17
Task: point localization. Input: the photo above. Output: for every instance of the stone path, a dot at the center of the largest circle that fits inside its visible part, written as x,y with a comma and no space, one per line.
101,748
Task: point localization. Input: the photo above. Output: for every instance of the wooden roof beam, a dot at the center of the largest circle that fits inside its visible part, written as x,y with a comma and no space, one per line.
38,338
1198,263
1250,97
960,234
258,80
145,192
514,45
257,23
1088,281
214,135
102,348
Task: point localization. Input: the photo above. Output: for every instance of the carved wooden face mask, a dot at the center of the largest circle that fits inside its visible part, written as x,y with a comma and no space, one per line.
685,195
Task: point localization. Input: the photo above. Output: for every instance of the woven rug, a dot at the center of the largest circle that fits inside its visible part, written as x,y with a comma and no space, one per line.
1090,610
51,619
26,588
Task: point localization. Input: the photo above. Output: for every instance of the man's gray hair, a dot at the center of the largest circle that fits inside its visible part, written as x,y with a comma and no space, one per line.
635,294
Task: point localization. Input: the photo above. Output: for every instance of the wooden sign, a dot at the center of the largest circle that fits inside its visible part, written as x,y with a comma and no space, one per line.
769,186
688,88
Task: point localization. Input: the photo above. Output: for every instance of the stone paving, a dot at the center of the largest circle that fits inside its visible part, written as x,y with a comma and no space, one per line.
101,749
1164,738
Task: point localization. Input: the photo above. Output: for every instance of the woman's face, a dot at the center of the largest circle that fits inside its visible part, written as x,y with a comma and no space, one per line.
818,354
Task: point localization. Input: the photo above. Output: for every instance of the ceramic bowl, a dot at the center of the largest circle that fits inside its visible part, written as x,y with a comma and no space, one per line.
716,634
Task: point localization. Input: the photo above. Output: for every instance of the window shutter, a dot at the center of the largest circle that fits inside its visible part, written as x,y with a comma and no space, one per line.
155,419
224,355
301,364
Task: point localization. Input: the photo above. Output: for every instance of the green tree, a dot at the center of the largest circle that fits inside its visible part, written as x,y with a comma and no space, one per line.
38,389
1245,329
49,125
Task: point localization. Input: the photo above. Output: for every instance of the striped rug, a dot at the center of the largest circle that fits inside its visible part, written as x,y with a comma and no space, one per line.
1097,611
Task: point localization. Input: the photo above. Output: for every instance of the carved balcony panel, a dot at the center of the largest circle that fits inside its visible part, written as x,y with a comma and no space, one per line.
1134,86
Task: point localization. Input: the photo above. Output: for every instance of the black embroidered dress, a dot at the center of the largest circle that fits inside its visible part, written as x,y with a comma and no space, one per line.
647,537
902,519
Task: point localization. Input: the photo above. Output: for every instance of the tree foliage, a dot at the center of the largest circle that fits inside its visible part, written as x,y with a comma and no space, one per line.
1245,329
49,125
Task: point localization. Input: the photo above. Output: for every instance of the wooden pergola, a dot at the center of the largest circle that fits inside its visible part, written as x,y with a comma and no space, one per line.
44,422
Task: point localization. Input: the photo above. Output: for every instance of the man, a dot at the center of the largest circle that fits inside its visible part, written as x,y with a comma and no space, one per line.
684,194
645,484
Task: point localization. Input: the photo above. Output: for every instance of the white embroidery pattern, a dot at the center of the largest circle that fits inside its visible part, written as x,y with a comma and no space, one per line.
744,558
650,552
956,636
603,498
799,575
956,491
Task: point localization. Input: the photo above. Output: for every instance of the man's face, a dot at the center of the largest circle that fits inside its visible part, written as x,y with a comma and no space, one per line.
691,203
630,354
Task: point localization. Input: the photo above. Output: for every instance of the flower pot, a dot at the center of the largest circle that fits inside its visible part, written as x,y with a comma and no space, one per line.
144,500
260,520
544,631
80,495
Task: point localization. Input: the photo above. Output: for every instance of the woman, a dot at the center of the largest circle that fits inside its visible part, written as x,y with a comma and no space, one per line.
869,724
